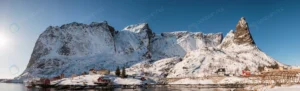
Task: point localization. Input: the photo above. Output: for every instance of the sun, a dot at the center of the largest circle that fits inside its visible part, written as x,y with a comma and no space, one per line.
3,41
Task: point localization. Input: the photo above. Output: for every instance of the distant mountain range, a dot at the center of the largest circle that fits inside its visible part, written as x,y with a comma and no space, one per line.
75,48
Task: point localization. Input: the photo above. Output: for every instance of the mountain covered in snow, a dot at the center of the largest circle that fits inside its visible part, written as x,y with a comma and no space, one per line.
75,48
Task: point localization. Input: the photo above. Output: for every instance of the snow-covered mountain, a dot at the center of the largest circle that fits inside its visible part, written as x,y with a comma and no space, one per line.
177,44
235,52
75,48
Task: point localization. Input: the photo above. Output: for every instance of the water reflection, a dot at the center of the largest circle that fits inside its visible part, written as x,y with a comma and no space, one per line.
152,89
21,87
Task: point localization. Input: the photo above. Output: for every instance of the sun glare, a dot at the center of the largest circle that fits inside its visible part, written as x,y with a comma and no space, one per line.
3,41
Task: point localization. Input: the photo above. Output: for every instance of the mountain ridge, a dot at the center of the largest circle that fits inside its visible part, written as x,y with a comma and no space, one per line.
75,48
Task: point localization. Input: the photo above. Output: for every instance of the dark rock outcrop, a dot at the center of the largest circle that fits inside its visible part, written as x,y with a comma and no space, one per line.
242,34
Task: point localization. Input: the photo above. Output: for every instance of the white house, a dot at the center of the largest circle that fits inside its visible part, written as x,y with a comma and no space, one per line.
92,72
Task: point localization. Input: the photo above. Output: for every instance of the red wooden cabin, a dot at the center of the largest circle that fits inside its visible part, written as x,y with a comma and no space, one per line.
103,80
246,73
43,81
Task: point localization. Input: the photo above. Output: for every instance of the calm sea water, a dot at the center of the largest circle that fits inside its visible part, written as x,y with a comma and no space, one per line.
12,87
21,87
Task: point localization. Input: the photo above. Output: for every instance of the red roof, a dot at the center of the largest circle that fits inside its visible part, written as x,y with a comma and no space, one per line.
246,73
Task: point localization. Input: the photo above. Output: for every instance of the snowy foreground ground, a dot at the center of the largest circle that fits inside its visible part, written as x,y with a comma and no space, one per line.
90,79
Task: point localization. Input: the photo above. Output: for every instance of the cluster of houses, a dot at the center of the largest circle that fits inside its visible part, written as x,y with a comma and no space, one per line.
100,72
222,72
281,68
246,72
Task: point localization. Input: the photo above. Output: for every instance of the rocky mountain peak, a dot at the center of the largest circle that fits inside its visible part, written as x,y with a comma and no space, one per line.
138,28
242,34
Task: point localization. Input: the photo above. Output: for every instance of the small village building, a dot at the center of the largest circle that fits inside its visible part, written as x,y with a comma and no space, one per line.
246,73
103,72
92,72
43,81
221,71
267,69
281,68
104,80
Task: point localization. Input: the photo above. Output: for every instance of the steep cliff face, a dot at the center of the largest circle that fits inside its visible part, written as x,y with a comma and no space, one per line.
134,40
75,48
177,44
73,40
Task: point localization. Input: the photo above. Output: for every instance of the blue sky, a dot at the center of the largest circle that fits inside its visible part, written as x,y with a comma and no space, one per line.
274,24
